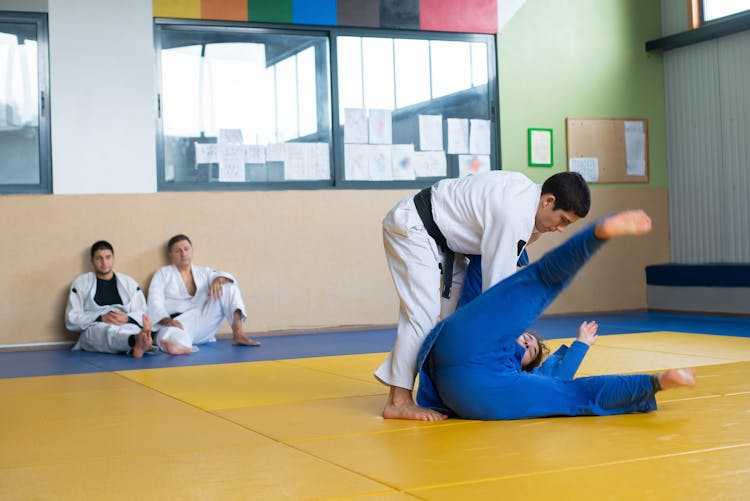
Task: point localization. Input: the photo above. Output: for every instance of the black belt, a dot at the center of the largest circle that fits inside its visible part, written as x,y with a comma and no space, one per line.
423,202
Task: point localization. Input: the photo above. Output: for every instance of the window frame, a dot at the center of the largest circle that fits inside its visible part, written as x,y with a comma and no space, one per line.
336,145
44,186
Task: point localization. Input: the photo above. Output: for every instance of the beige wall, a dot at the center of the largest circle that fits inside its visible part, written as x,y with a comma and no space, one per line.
304,259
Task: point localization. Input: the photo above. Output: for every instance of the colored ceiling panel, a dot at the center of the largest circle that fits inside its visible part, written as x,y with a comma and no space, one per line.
189,9
358,13
471,16
225,10
265,11
314,12
399,14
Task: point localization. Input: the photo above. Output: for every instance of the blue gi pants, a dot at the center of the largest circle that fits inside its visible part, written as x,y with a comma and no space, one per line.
470,364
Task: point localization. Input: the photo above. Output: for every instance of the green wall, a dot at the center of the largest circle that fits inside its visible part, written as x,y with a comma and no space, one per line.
579,58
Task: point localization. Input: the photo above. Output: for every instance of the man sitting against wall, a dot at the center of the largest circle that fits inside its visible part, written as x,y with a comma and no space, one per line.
108,309
191,301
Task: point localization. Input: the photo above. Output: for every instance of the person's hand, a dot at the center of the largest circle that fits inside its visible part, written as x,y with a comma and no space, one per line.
587,332
115,317
214,292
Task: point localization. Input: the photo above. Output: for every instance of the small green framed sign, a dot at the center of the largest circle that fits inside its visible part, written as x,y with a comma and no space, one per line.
540,147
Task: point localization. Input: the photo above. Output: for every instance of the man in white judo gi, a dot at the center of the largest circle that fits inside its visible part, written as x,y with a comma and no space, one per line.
191,301
108,309
426,238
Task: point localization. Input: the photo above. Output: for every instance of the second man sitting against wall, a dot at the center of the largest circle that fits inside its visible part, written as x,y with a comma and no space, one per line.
187,303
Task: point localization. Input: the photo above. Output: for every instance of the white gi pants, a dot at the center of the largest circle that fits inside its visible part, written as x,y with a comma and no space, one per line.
414,259
106,338
201,323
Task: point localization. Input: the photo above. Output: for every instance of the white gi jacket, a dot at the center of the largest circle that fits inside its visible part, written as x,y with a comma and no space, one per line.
82,311
167,294
487,214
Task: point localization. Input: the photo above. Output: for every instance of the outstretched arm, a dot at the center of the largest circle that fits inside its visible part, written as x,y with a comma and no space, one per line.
564,363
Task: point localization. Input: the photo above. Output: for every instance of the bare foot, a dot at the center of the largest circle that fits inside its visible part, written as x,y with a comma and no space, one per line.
143,339
676,378
630,222
400,405
238,335
175,348
242,340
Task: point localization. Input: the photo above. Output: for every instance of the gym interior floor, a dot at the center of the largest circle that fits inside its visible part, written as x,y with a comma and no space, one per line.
299,418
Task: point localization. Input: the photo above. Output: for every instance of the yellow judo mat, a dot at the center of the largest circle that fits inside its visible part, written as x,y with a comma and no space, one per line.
311,429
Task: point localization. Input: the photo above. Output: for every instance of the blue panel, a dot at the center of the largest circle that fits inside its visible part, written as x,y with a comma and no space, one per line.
699,275
321,12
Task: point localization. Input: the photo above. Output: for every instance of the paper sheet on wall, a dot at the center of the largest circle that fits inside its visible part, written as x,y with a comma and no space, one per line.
206,153
479,138
356,162
587,167
458,135
541,147
355,125
402,161
430,164
381,127
473,164
255,154
431,132
635,149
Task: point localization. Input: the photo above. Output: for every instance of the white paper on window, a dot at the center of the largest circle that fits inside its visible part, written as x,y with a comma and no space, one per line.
355,125
255,154
430,164
231,156
587,167
431,132
356,162
458,135
276,152
479,139
473,164
402,161
206,153
306,162
379,162
381,127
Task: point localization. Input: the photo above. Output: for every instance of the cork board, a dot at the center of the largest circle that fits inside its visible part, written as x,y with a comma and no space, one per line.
608,150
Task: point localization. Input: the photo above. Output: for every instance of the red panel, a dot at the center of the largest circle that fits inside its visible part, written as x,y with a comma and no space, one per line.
471,16
224,10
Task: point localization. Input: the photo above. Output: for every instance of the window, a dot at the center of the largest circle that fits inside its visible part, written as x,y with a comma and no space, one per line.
24,118
243,107
715,9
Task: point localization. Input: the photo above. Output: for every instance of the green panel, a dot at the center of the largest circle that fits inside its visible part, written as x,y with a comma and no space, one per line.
269,11
579,59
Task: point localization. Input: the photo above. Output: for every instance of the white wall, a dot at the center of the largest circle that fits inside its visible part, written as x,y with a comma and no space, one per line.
103,110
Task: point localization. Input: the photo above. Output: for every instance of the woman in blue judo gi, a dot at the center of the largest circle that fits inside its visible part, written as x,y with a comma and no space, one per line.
475,364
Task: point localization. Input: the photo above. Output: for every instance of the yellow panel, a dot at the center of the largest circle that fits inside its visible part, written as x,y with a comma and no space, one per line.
323,418
727,348
474,451
259,471
190,9
610,360
353,366
715,474
61,440
50,385
249,384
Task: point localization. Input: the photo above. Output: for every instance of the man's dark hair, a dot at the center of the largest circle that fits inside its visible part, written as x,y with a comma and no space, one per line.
101,244
177,238
571,192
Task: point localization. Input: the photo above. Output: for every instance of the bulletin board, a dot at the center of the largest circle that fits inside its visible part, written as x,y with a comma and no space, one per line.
608,150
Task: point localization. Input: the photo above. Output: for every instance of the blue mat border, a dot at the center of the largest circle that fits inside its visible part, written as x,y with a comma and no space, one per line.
60,362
